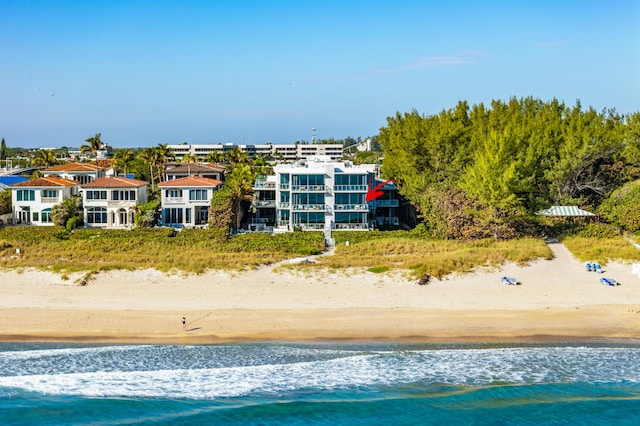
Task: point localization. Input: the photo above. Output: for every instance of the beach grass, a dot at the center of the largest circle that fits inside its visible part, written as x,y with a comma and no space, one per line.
601,249
191,251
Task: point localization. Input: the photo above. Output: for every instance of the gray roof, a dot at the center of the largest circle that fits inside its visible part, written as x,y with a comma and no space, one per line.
564,211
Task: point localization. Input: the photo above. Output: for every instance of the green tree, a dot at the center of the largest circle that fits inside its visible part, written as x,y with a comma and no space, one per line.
3,150
215,157
150,157
44,158
230,201
5,201
189,159
93,145
66,210
122,159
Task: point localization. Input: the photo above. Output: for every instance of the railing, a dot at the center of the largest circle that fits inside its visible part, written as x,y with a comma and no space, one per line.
350,188
307,226
388,220
357,207
265,185
385,203
310,188
284,186
283,223
174,199
284,205
314,207
49,200
265,203
346,226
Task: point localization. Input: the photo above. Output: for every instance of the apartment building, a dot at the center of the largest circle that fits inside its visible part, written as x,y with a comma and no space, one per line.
284,152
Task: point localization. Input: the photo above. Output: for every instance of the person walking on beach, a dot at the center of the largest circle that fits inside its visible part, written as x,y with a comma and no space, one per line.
184,324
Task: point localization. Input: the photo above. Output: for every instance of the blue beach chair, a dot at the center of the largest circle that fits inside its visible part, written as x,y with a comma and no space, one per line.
588,265
609,281
509,281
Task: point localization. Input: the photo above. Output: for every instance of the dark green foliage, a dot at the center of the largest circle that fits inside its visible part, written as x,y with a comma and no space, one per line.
146,215
67,209
5,201
622,208
471,171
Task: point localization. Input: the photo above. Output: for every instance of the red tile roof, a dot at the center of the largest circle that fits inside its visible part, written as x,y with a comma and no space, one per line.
114,182
45,181
190,181
73,167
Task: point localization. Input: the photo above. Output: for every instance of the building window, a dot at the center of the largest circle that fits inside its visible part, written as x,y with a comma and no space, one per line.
25,195
174,193
97,215
46,216
173,216
123,195
349,198
49,193
96,195
35,217
197,195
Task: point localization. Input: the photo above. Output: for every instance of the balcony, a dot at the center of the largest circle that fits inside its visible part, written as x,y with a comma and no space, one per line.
310,188
265,204
174,200
284,186
384,203
351,226
310,207
284,205
351,207
264,185
49,200
350,188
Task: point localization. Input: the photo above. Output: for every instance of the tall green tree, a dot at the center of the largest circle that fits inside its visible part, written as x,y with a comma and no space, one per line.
5,201
229,202
93,145
122,159
150,157
44,158
189,159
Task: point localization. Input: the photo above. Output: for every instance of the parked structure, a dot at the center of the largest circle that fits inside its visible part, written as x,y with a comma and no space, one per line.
110,202
32,200
285,152
323,194
185,201
79,172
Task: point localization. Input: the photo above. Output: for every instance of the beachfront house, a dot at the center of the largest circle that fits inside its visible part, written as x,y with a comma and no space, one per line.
323,194
33,199
110,202
185,201
79,172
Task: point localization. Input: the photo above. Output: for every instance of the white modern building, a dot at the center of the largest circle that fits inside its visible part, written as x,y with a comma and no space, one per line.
32,200
110,202
322,194
284,152
186,200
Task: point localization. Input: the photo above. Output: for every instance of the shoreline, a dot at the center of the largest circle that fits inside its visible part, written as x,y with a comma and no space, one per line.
556,300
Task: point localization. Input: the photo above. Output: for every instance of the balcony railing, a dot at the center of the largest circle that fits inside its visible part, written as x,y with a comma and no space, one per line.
284,205
310,226
265,203
264,185
356,207
174,200
346,226
384,203
49,200
310,188
350,188
283,223
284,186
310,207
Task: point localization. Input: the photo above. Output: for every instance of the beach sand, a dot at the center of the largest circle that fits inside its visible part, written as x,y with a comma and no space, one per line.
556,299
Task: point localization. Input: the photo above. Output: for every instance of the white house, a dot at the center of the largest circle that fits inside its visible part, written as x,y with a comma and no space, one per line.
110,202
185,201
32,200
79,172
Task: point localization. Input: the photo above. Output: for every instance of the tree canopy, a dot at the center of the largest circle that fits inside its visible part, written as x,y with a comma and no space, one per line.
518,156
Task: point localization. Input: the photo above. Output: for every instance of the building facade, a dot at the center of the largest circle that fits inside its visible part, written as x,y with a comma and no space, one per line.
323,194
79,172
185,201
32,200
283,152
110,202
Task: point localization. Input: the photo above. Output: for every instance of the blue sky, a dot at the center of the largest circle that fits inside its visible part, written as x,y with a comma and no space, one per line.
149,72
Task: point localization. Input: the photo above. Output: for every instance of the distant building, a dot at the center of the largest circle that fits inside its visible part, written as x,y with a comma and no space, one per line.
285,152
211,171
79,172
323,194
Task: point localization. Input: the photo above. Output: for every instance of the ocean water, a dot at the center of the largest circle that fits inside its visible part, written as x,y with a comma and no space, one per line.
333,384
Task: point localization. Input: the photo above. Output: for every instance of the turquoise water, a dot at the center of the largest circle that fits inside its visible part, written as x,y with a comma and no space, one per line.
264,384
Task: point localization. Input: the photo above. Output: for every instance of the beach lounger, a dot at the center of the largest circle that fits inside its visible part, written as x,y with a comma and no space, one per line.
609,281
509,281
588,265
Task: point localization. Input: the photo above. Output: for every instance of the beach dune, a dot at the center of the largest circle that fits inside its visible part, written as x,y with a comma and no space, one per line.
555,299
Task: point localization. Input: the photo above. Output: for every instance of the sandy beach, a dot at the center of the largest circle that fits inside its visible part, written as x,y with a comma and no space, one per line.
555,299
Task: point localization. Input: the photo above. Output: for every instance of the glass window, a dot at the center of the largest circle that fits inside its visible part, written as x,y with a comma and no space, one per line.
50,193
35,216
97,215
25,195
198,195
46,216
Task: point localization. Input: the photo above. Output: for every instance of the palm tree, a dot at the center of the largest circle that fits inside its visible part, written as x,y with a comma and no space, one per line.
44,158
164,154
239,186
93,145
150,156
188,159
215,157
237,156
123,158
